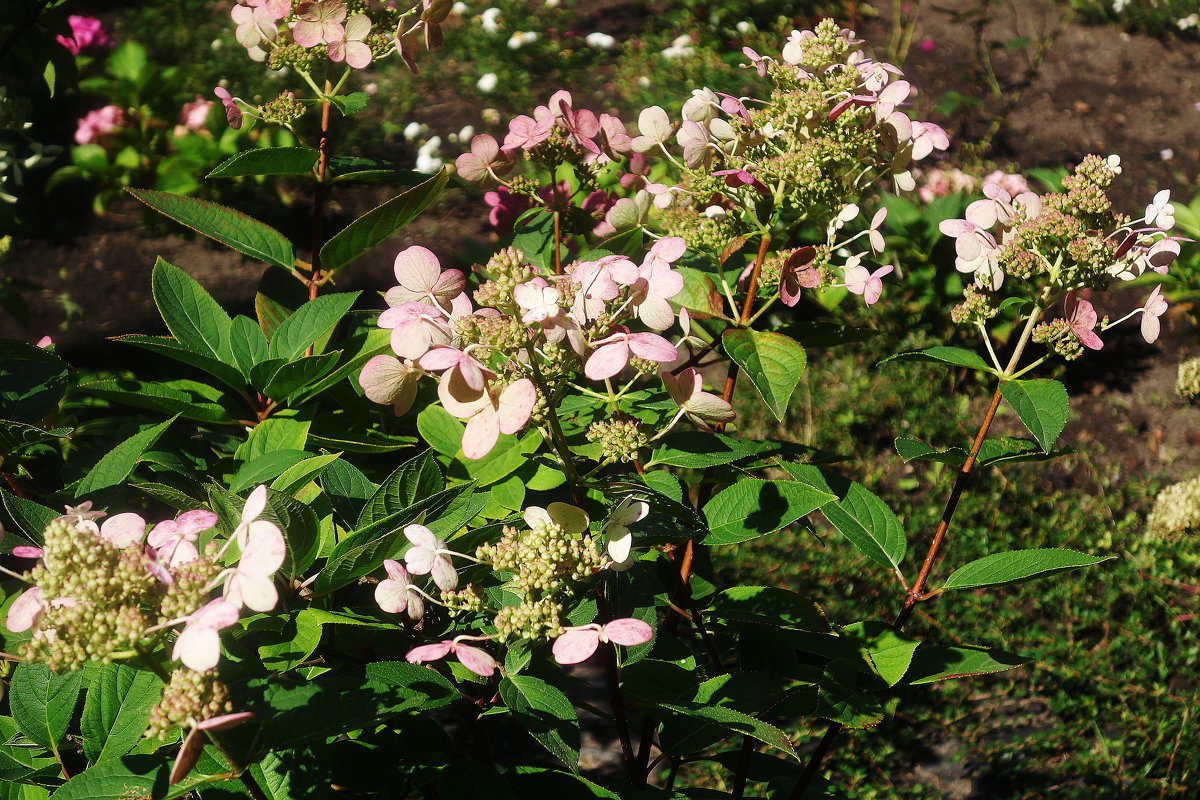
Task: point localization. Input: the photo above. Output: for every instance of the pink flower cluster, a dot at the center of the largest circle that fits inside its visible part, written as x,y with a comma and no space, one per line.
97,123
87,33
587,310
169,546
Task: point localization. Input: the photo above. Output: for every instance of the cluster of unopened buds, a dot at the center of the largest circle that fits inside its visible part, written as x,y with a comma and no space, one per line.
102,589
1061,244
544,564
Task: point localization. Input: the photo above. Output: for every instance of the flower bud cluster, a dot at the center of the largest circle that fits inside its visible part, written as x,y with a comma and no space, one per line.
620,438
189,697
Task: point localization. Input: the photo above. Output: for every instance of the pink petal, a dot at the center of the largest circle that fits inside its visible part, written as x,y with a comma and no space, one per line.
192,523
255,503
225,721
24,610
123,530
198,647
442,357
516,404
429,652
445,576
391,596
265,550
652,347
189,754
27,551
474,659
1150,328
575,646
481,433
628,631
607,361
417,268
421,536
255,592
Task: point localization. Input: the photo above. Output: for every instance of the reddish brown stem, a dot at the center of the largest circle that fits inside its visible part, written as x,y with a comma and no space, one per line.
557,244
320,196
915,591
13,485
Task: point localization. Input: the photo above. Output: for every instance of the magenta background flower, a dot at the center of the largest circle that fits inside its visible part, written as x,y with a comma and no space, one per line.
87,33
194,115
98,122
504,207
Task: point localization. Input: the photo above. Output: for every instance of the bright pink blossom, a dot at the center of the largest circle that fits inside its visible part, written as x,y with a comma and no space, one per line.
233,113
174,540
415,327
97,123
525,132
485,161
194,115
421,279
87,33
25,610
578,644
860,280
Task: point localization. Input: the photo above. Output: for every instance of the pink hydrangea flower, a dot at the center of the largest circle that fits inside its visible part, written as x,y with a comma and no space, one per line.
194,115
1081,318
98,122
87,33
578,644
396,594
233,113
25,610
488,413
1155,307
525,132
350,47
123,530
701,407
174,540
618,537
421,279
474,659
415,327
251,584
254,26
319,22
860,280
798,273
504,208
391,382
485,161
428,555
199,644
613,353
278,9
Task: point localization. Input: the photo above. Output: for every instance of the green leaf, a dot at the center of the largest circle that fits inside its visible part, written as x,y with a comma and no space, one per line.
372,170
283,430
440,430
268,161
263,468
231,228
292,643
117,710
16,435
699,295
733,721
128,62
247,344
773,363
350,103
546,713
508,455
32,518
32,381
1015,566
753,507
416,478
117,463
188,399
858,514
699,450
768,605
1043,406
1000,450
940,662
116,779
300,528
420,682
845,696
174,349
299,475
192,316
348,490
360,236
957,356
891,652
308,323
293,376
43,702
